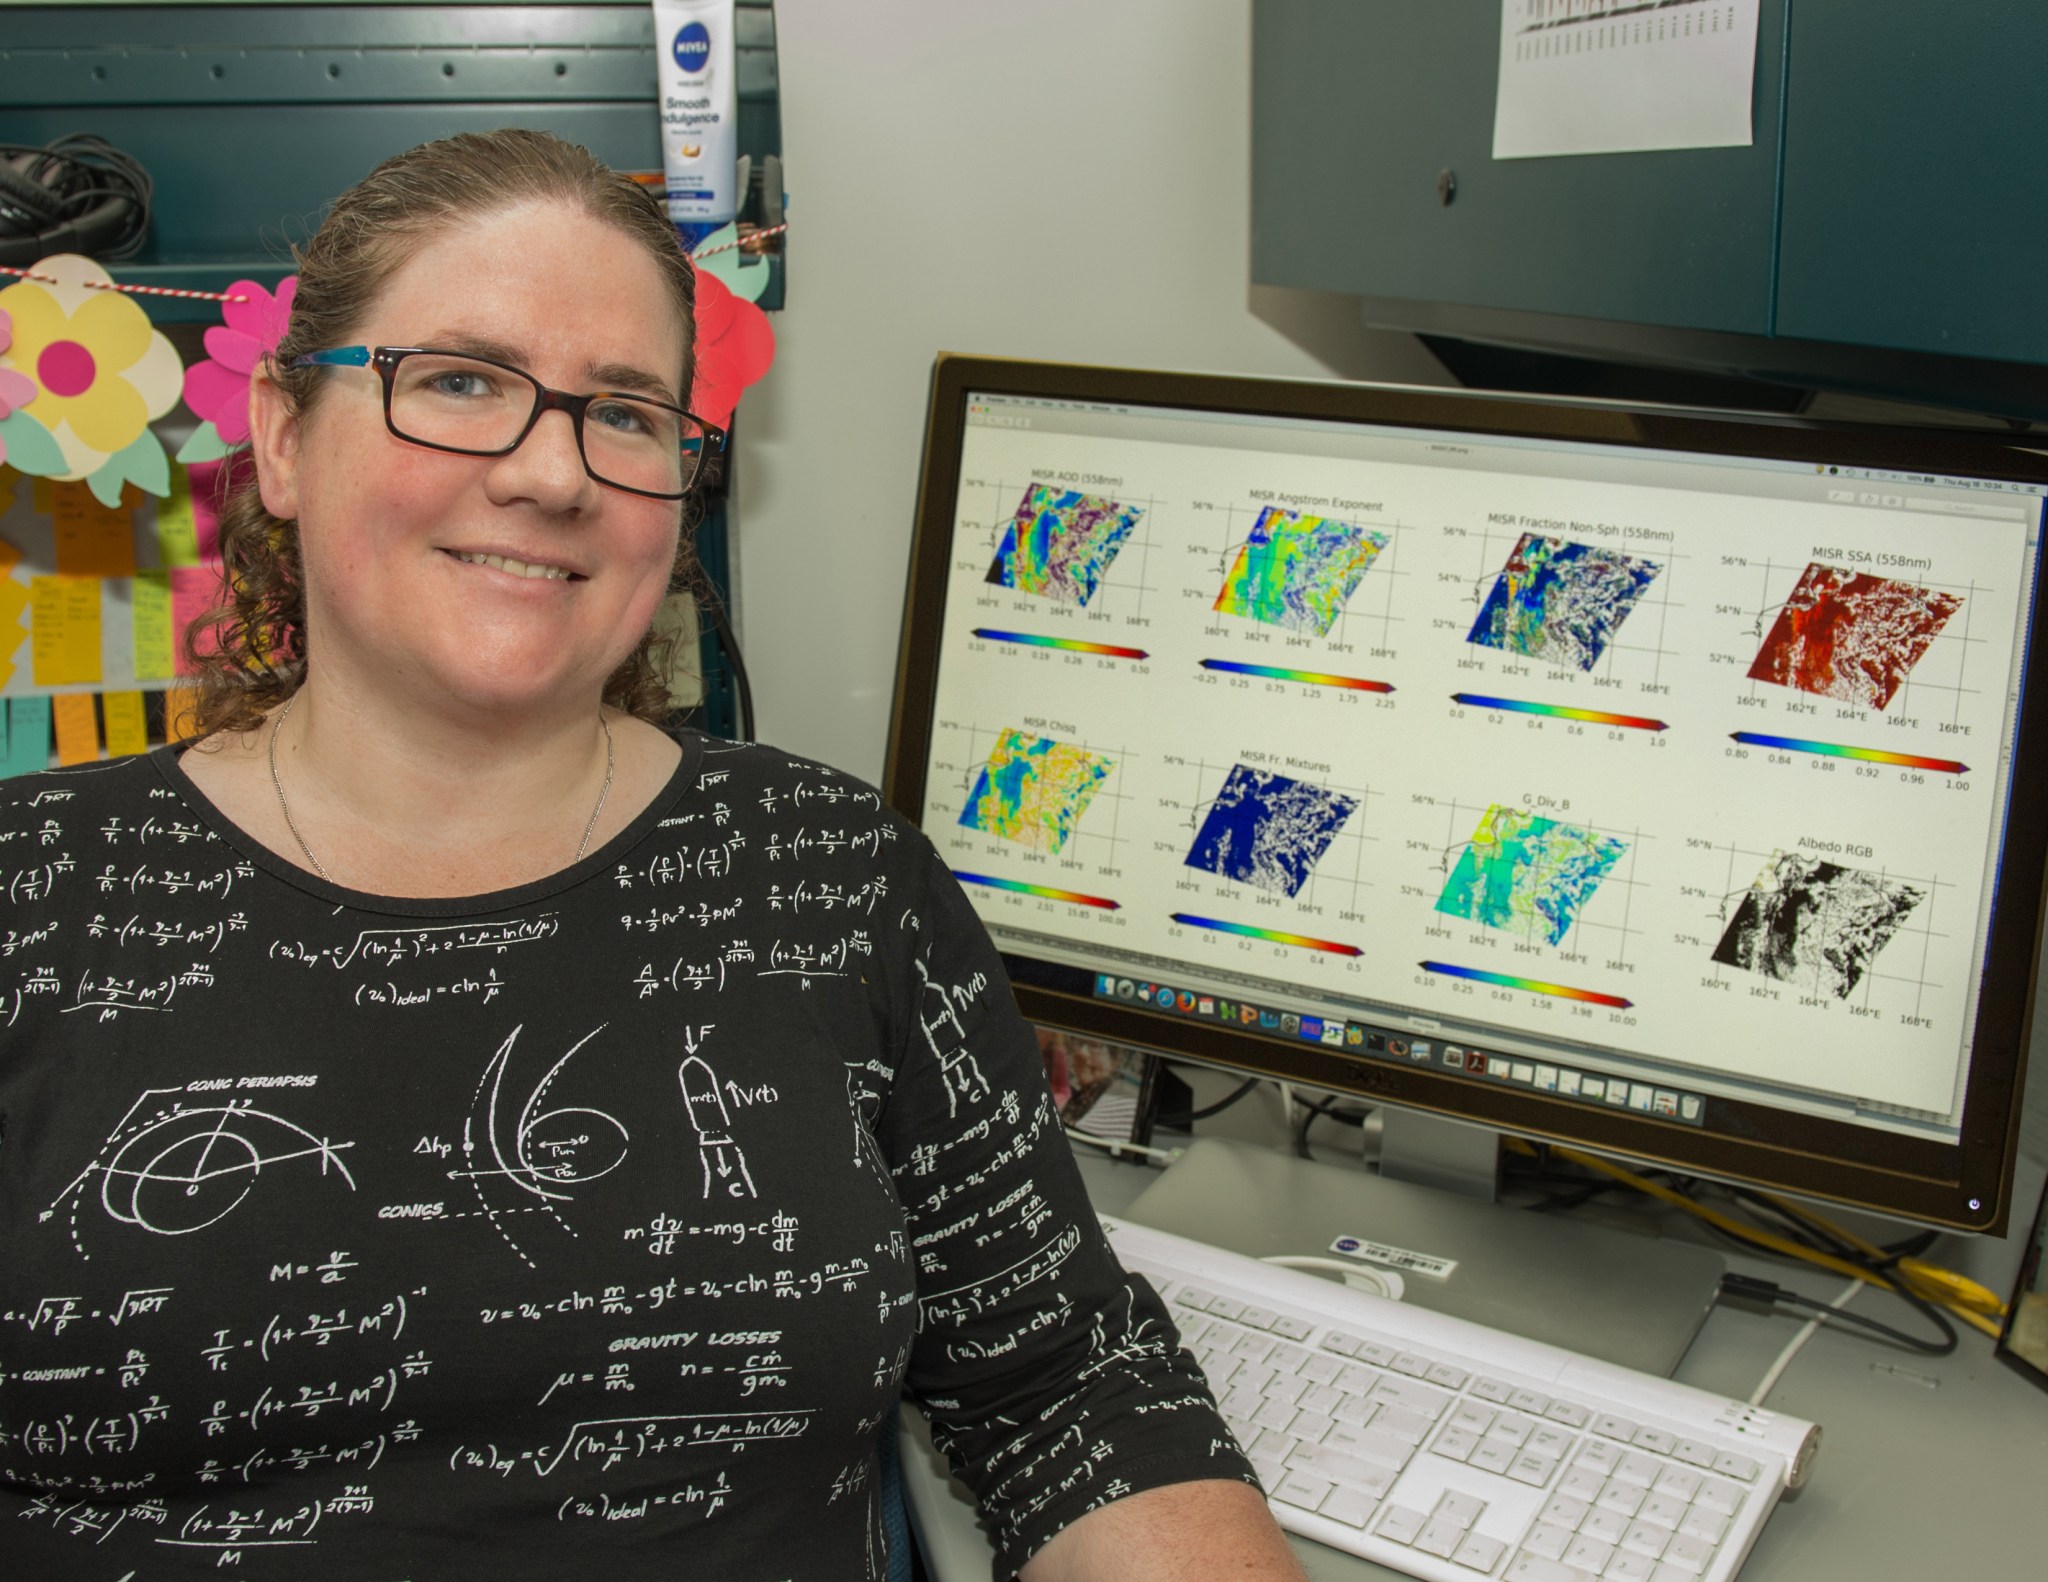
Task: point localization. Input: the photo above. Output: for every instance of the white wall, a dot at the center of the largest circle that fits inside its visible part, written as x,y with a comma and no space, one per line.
1055,179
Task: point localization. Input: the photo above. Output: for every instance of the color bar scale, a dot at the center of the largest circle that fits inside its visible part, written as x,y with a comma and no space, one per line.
1271,935
1558,711
1313,678
1504,980
1043,892
1869,755
1071,645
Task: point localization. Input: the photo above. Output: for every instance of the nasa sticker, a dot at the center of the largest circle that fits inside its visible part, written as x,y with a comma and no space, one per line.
693,47
1394,1257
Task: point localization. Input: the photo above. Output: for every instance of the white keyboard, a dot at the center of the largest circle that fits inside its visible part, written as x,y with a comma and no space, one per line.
1450,1451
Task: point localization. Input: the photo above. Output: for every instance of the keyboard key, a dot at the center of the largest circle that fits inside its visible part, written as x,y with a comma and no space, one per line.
1513,1427
1492,1390
1423,1398
1273,1414
1605,1525
1582,1483
1716,1495
1646,1538
1219,1370
1292,1328
1532,1469
1668,1572
1223,1307
1286,1357
1547,1539
1402,1423
1286,1387
1355,1410
1380,1356
1439,1537
1688,1554
1535,1568
1253,1376
1372,1445
1449,1377
1599,1455
1464,1509
1628,1566
1455,1443
1400,1525
1695,1454
1655,1439
1277,1445
1614,1427
1252,1345
1407,1362
1269,1468
1473,1418
1355,1380
1311,1426
1569,1413
1342,1344
1493,1455
1638,1469
1320,1398
1623,1497
1479,1552
1301,1489
1196,1297
1735,1466
1588,1554
1319,1368
1663,1510
1352,1507
1529,1401
1352,1471
1705,1525
1680,1483
1239,1404
1566,1511
1552,1442
1257,1317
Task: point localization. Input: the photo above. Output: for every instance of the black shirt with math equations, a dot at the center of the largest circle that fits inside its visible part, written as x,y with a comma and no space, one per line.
589,1229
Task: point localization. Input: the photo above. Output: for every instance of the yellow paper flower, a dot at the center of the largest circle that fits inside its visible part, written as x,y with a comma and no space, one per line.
101,369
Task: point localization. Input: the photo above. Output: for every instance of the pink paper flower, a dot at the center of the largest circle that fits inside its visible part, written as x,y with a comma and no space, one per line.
217,388
735,345
16,390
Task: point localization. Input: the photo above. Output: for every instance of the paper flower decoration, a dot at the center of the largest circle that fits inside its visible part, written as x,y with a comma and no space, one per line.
735,345
15,390
101,374
217,387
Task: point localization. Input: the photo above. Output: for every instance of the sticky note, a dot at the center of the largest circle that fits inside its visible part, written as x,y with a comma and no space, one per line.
28,736
78,728
156,637
8,477
179,720
64,639
177,530
194,591
44,496
127,728
92,539
207,484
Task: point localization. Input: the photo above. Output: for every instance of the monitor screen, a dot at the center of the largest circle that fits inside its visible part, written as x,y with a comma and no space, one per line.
1631,778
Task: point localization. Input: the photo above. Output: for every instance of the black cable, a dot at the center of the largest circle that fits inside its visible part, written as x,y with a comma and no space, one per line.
1771,1293
743,692
1189,1117
81,176
1320,1109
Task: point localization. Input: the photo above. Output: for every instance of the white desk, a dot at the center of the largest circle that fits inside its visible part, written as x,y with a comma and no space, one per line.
1930,1468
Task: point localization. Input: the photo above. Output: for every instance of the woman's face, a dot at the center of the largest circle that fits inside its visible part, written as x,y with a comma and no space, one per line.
392,534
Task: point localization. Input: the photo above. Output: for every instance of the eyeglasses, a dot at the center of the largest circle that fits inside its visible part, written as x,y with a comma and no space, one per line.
475,406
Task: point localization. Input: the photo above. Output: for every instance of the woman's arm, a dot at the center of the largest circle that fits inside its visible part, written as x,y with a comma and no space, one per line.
1214,1528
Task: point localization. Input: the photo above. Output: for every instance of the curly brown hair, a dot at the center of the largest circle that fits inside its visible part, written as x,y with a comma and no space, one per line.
250,654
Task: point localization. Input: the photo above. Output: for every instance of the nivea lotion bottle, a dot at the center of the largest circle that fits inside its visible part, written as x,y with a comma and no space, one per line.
693,47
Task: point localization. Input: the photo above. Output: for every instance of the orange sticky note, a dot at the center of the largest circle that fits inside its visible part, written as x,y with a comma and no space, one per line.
179,719
64,630
127,728
78,728
93,540
44,495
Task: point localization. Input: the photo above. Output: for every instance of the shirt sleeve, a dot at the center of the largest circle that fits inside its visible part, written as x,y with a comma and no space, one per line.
1054,1381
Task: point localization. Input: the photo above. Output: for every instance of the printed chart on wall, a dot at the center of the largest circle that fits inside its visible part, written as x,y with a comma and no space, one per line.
1647,766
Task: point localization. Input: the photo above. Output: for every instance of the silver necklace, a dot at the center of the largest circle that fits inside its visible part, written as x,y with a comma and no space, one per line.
277,724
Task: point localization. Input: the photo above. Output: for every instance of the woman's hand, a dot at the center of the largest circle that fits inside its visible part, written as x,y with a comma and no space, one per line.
1214,1528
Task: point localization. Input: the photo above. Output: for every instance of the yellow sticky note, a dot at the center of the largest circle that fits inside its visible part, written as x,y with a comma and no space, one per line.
78,728
156,651
177,530
94,540
64,637
180,720
127,730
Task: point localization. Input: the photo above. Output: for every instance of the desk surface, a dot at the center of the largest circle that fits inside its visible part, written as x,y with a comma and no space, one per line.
1931,1466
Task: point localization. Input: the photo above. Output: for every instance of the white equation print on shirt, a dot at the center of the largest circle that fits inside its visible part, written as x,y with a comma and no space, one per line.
724,1161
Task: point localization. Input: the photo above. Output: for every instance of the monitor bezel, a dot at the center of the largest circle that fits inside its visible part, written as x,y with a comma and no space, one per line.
1964,1186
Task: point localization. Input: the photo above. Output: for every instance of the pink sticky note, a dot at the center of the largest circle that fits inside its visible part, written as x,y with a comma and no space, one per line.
212,482
194,591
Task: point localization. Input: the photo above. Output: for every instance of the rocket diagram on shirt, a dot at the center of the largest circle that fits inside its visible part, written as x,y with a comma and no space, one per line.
591,1228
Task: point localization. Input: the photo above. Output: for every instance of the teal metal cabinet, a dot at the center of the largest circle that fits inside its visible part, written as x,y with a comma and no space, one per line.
1359,106
1916,177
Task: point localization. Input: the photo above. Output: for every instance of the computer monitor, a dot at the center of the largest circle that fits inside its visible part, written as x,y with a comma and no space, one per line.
1636,779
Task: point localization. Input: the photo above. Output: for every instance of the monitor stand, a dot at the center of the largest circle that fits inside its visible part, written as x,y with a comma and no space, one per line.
1623,1297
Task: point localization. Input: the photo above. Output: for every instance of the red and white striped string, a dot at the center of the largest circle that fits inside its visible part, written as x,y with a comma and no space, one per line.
751,236
141,291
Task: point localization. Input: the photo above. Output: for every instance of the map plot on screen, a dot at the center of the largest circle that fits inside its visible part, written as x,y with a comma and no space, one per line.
1851,636
1815,923
1033,790
1268,830
1561,602
1528,875
1296,571
1061,542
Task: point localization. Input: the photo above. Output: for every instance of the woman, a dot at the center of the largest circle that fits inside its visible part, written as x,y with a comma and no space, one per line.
453,1128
